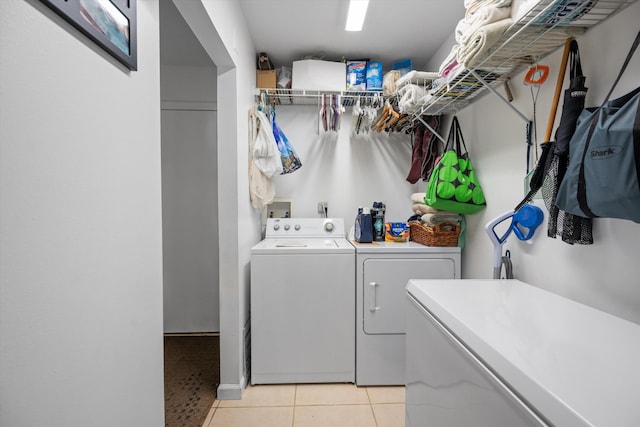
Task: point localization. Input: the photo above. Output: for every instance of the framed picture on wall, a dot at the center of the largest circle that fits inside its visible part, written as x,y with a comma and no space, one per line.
109,23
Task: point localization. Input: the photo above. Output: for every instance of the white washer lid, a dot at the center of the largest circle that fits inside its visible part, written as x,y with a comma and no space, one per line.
577,365
302,245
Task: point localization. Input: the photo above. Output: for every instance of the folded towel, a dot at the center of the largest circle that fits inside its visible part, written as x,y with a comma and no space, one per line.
421,209
472,6
520,8
549,41
468,4
418,197
483,16
450,61
411,100
481,41
389,82
437,219
420,78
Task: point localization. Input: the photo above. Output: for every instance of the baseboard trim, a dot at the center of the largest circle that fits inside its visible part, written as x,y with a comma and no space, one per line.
232,391
192,334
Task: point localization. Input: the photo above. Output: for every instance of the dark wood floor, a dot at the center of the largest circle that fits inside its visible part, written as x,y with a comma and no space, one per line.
191,377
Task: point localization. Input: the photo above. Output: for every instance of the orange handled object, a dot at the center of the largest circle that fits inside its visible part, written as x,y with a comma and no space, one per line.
529,78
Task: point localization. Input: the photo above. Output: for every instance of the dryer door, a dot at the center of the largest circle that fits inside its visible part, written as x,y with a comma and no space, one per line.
385,280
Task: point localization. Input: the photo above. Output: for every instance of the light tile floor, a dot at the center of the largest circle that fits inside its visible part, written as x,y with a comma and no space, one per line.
311,405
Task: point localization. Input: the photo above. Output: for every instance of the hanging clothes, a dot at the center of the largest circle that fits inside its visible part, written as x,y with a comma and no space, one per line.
261,188
266,155
417,155
331,112
425,151
431,147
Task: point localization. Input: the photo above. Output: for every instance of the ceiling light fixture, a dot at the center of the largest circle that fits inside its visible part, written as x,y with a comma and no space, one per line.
357,12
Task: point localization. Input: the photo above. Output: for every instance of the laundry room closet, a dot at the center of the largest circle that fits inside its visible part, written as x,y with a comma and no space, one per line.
349,170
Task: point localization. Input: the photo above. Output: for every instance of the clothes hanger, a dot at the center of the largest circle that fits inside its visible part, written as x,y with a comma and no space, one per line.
395,116
340,109
323,113
391,117
355,116
400,125
382,117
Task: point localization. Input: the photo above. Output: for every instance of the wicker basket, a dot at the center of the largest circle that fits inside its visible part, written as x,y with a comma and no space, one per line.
445,234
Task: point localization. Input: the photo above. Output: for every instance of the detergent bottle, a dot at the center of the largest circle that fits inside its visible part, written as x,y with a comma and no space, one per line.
363,230
356,225
378,221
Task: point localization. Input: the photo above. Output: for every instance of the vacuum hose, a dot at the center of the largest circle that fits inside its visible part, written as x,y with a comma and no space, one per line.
523,224
508,267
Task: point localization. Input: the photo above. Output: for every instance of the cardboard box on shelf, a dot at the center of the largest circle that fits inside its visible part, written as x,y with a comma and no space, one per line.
266,79
374,76
313,74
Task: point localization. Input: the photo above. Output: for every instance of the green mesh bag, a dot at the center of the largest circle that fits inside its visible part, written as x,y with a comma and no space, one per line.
453,185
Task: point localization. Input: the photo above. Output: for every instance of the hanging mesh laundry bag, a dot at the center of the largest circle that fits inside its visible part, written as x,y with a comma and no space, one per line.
570,228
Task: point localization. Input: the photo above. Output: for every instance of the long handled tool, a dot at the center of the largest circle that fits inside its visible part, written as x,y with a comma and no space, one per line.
538,175
556,95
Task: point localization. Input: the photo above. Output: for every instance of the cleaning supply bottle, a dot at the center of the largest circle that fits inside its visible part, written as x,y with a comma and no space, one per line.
378,221
363,230
356,225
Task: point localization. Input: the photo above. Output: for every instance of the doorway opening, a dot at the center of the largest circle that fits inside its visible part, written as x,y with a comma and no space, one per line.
190,222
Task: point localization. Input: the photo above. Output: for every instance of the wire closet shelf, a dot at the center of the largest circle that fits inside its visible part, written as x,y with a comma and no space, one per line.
543,29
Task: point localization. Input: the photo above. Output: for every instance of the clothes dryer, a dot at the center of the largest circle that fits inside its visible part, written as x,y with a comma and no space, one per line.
382,272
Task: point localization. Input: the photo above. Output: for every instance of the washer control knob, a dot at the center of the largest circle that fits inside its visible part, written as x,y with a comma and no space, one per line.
328,226
276,227
297,227
286,227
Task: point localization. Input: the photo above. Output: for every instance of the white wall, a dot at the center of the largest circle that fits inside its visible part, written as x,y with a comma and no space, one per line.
240,224
220,27
190,199
345,170
603,275
188,87
80,225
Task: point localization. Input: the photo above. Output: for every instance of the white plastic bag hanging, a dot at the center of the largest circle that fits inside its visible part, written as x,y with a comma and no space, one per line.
266,155
261,188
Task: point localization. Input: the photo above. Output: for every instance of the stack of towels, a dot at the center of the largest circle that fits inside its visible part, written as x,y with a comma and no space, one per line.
412,88
483,24
430,216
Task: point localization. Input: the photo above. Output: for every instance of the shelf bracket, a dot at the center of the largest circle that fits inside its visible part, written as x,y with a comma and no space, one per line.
433,131
495,92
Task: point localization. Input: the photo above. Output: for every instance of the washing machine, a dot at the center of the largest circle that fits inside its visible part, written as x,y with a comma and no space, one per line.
303,303
382,272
